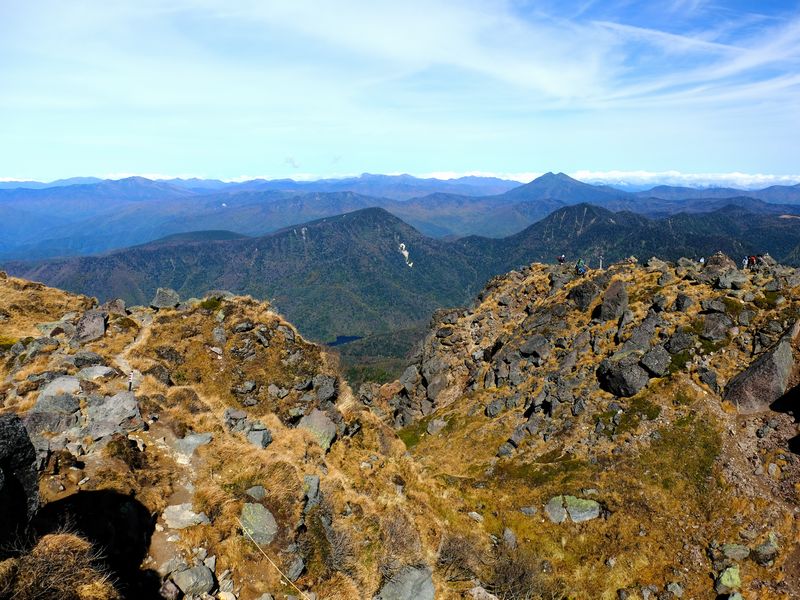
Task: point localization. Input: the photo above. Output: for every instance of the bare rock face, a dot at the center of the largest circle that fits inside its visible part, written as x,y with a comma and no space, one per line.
19,485
767,379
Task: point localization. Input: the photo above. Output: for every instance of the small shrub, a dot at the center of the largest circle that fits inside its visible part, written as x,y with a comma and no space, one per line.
460,557
211,304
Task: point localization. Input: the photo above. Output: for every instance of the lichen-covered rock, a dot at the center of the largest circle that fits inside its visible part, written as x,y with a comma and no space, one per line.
259,523
657,361
411,583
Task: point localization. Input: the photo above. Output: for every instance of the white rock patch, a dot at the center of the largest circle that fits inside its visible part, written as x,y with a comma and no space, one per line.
404,252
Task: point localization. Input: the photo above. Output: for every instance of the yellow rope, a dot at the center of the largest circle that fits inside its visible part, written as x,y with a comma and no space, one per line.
260,549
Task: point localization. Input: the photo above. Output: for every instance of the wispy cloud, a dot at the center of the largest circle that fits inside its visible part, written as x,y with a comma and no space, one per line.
231,86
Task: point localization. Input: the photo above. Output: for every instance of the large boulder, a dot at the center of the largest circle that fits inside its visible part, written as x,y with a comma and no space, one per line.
411,583
584,294
165,298
623,377
767,379
615,301
19,479
91,326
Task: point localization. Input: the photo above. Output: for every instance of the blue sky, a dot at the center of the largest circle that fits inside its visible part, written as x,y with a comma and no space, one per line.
301,88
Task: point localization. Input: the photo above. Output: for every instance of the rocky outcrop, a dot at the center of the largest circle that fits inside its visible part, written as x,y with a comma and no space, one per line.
767,379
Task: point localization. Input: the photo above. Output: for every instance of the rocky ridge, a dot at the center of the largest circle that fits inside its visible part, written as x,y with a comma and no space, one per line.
542,444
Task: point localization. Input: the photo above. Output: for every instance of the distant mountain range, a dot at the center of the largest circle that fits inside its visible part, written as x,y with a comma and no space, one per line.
99,216
347,275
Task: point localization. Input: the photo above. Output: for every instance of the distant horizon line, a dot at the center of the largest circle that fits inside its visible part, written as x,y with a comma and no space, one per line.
634,178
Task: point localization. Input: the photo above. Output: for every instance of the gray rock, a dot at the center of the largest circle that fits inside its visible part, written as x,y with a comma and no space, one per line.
676,589
295,569
494,408
311,491
764,554
679,342
682,303
325,386
244,326
716,327
85,358
583,294
259,523
436,386
97,372
181,516
615,301
61,386
538,346
91,326
622,377
554,509
218,335
411,583
558,508
735,552
197,580
766,379
319,424
165,298
115,414
192,442
657,361
115,307
435,426
581,509
410,378
257,492
19,479
260,437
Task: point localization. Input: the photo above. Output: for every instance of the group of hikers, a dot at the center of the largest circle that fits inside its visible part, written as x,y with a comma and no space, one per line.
752,262
580,267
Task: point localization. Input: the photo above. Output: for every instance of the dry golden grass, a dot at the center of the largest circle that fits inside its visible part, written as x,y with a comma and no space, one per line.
61,566
28,303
